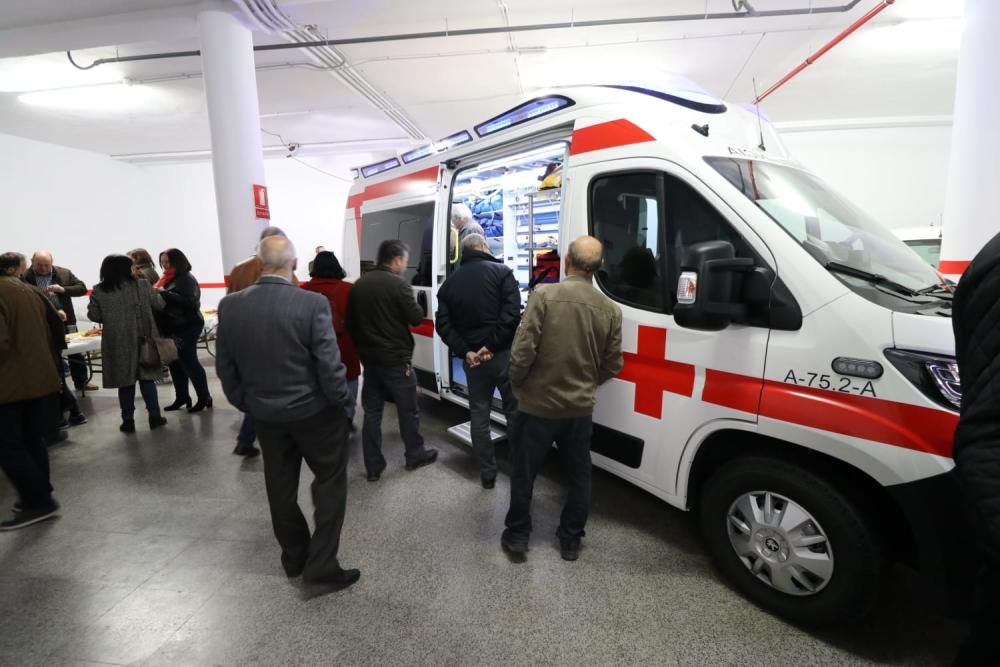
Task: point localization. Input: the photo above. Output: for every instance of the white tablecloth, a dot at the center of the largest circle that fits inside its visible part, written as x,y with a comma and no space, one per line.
93,343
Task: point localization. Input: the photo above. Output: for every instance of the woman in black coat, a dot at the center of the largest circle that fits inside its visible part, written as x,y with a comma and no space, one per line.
182,320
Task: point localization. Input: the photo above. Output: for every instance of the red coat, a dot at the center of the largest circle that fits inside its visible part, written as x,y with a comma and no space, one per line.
337,293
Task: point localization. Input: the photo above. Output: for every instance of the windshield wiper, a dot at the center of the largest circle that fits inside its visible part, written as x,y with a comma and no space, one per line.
943,291
873,278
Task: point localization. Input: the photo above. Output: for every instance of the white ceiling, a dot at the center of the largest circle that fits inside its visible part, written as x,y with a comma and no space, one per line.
902,64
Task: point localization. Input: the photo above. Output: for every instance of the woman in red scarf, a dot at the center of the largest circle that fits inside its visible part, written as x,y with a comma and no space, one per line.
328,279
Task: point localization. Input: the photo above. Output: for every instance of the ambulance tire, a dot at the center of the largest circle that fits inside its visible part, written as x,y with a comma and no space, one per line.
858,555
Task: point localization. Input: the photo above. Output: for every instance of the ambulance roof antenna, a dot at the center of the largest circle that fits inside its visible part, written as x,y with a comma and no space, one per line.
760,125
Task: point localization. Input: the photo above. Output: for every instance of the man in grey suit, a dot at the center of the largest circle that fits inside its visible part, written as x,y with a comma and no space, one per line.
278,360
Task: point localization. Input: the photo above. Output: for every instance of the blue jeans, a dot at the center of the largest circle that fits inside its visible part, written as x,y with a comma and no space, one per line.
248,431
483,380
531,441
352,400
188,367
126,399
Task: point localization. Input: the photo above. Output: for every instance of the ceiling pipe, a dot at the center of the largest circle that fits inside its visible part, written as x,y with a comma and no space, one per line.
872,13
466,32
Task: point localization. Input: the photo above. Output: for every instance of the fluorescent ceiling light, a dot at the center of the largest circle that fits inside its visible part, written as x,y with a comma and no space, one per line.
21,75
114,98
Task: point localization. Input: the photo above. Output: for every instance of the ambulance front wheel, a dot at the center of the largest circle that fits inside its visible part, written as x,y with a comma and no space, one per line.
791,541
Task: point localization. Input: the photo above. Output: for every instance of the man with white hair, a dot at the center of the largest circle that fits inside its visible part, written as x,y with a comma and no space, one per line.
463,224
278,360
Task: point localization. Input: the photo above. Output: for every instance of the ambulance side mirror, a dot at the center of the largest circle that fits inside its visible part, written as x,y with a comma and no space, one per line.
710,287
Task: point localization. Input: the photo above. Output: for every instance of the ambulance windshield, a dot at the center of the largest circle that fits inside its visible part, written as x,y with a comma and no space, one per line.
837,233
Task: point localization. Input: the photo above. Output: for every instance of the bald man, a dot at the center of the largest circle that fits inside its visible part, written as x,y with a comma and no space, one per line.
278,360
568,344
61,286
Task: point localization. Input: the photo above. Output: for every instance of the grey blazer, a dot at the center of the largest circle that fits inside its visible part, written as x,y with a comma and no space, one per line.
277,354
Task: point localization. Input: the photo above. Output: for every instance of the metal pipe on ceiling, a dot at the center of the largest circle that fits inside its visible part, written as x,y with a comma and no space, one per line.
466,32
844,34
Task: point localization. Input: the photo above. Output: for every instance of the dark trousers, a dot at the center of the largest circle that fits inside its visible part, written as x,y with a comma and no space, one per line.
982,647
322,441
188,367
248,431
398,383
126,399
483,380
78,369
67,400
531,441
23,456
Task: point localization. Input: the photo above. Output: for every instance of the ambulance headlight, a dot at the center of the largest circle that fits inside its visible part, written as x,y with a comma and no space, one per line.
936,376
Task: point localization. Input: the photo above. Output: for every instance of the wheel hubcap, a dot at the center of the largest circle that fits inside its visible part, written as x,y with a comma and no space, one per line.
780,543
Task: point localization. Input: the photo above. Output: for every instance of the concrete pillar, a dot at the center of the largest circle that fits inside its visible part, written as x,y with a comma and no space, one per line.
234,119
970,212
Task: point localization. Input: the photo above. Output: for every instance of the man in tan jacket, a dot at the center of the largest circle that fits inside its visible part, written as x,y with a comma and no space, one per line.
27,376
569,343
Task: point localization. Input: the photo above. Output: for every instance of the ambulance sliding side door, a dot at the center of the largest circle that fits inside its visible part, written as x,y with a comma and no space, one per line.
676,383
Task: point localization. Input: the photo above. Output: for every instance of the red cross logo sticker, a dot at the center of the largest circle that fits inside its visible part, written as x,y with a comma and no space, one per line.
652,373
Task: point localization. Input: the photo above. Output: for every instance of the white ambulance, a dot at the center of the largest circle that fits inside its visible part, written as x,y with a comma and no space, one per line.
789,364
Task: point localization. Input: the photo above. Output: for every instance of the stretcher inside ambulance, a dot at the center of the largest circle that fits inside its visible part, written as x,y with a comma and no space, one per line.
789,363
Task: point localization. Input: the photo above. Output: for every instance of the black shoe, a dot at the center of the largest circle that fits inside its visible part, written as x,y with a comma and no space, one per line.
178,404
376,475
429,457
513,545
570,549
246,452
62,423
128,426
489,482
18,507
77,419
201,405
341,579
156,422
26,517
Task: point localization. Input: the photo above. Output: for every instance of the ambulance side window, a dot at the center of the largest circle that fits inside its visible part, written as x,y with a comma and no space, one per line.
691,219
626,216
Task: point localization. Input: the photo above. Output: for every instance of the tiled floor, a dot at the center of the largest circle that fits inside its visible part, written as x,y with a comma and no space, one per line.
164,556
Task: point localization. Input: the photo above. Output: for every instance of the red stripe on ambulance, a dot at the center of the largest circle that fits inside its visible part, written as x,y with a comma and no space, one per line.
607,135
901,424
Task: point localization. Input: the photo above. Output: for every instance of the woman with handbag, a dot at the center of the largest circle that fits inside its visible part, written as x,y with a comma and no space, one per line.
125,307
182,320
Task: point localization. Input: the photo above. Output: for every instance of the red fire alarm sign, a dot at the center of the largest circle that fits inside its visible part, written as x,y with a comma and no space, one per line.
260,203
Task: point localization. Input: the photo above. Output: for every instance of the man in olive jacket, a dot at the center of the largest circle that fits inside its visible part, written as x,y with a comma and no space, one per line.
27,378
380,313
61,286
569,343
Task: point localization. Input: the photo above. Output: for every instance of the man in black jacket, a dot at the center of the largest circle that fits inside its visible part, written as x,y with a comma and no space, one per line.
380,313
61,286
975,313
479,308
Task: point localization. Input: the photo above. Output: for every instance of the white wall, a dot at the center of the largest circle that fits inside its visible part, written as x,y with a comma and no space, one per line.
83,206
897,174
